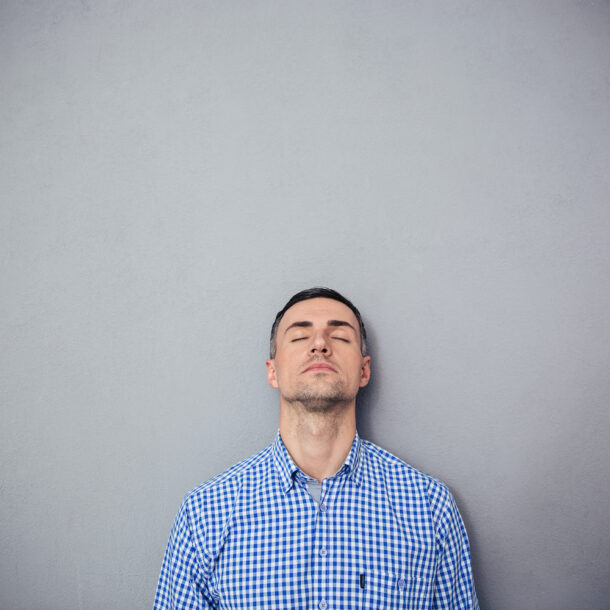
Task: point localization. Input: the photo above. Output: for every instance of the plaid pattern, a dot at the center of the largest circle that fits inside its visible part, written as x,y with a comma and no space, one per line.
384,535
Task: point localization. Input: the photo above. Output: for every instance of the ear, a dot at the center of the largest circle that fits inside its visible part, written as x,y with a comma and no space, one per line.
365,371
271,376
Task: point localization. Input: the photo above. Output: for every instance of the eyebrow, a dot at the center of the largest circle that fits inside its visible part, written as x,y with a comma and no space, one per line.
307,324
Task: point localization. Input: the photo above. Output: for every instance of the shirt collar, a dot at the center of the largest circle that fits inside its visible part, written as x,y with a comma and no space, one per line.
353,462
283,462
352,467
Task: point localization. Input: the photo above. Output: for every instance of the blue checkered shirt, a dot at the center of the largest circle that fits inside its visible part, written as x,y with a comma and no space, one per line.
383,535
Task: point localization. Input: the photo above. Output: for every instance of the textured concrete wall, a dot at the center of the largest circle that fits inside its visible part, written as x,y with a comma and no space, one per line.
171,172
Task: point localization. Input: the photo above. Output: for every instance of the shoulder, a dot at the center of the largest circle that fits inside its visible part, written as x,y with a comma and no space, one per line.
416,497
413,492
401,477
217,495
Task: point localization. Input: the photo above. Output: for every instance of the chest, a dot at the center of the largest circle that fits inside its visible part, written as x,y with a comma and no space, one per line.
355,549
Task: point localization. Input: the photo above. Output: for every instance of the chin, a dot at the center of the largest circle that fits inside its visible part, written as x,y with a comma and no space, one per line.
316,400
323,407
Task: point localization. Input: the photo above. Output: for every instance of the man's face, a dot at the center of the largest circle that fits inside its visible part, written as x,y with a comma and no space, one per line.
318,362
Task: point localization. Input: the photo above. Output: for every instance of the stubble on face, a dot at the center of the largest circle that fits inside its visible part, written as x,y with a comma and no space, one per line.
323,398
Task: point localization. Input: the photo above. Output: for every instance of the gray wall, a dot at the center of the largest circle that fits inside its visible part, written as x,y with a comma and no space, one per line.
173,172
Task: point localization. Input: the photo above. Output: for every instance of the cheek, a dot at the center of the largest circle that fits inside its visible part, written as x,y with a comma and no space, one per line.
282,370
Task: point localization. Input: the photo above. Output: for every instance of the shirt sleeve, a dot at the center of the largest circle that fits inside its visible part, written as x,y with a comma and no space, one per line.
183,580
454,586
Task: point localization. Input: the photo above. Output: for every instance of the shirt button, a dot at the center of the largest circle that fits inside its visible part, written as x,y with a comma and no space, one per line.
323,552
322,605
401,583
323,508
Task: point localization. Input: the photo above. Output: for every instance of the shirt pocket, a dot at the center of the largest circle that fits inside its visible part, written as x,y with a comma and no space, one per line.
384,591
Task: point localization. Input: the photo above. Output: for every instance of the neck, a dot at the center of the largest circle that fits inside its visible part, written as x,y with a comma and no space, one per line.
318,442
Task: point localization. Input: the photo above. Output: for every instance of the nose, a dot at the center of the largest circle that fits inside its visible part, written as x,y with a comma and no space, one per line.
319,344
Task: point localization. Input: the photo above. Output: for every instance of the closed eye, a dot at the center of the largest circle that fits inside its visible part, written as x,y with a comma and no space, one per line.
297,339
341,339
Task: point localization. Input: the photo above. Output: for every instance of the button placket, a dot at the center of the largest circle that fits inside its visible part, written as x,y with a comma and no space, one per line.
323,550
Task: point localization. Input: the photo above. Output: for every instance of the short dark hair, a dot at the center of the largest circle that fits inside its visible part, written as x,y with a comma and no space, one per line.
316,293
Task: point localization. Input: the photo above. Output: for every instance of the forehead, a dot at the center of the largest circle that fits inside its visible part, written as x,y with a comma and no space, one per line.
318,310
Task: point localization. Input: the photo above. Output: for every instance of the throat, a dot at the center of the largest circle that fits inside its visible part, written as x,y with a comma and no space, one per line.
318,442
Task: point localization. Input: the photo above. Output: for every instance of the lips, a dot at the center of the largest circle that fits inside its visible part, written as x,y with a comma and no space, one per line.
320,366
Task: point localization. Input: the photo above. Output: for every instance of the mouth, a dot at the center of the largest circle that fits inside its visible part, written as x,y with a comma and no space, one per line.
319,367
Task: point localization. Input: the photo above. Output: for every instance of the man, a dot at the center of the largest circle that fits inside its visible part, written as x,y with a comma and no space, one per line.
320,519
